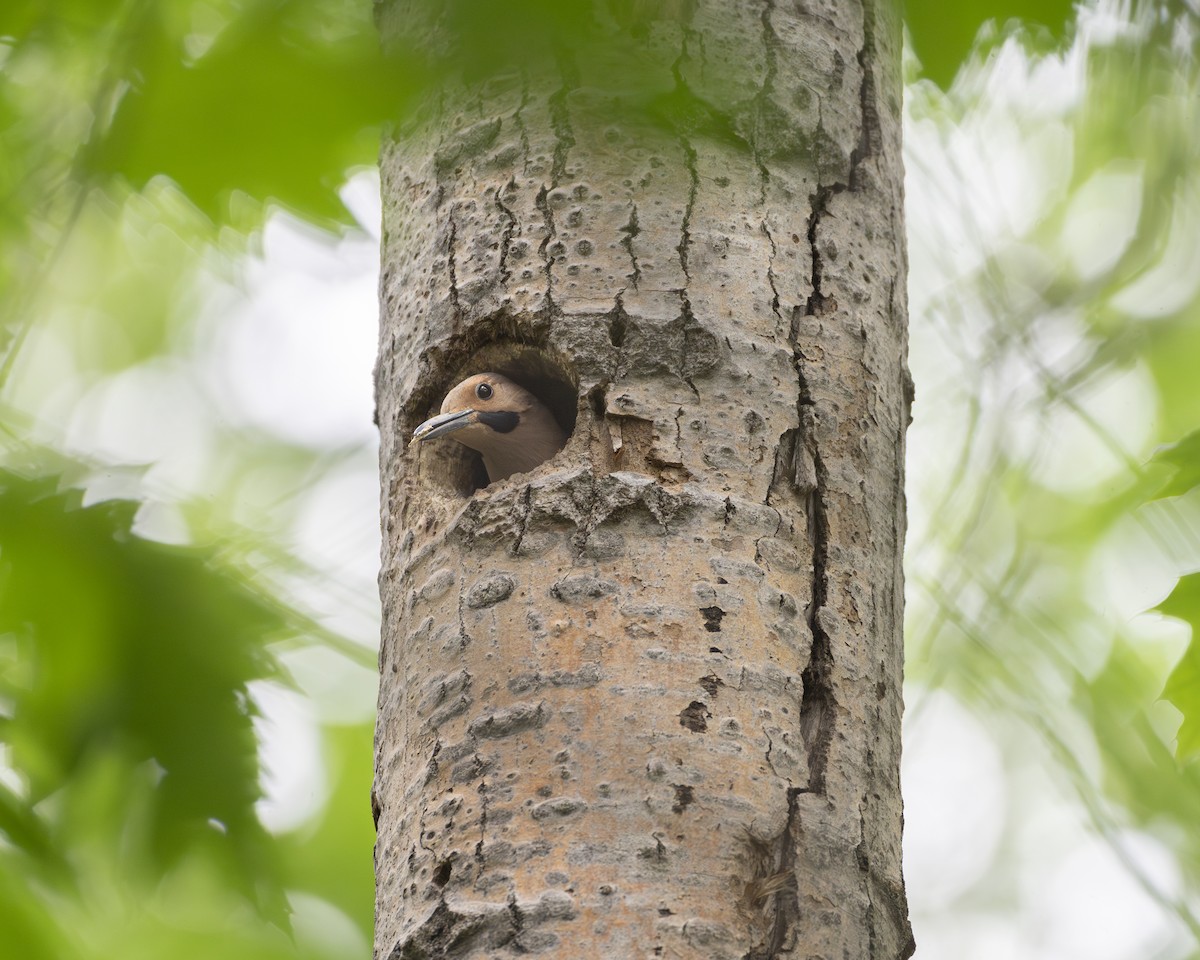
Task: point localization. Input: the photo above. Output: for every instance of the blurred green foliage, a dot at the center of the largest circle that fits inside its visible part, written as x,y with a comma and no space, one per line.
944,34
134,134
273,99
124,673
1068,464
130,642
1183,685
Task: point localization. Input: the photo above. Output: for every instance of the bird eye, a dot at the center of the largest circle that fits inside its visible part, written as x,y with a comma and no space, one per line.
483,391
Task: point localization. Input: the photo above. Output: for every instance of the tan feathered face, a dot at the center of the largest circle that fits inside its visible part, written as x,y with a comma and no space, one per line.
502,420
484,404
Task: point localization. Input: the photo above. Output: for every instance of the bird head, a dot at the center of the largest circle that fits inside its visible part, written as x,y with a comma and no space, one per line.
508,425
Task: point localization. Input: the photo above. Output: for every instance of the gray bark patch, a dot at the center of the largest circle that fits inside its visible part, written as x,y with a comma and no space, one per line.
490,591
580,588
437,585
558,807
466,144
586,676
736,568
504,723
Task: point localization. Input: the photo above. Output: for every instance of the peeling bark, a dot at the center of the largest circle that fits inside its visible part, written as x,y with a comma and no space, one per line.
645,700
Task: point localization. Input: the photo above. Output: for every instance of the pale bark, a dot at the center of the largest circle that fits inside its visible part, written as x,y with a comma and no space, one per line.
645,700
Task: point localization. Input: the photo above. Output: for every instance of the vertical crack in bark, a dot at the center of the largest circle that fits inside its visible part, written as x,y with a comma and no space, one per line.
564,140
510,228
685,228
560,118
521,511
771,272
689,159
452,267
542,202
770,41
688,320
516,918
519,121
618,328
773,865
464,638
787,899
870,132
483,808
818,702
868,137
685,233
816,299
631,230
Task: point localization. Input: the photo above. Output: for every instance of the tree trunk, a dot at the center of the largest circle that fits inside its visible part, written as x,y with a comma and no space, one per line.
645,700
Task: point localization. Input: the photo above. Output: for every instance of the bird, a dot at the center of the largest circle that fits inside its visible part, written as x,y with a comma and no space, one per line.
508,425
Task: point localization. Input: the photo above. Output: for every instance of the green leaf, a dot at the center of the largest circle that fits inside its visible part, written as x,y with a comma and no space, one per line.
129,686
20,824
31,930
285,99
1183,685
943,34
1184,457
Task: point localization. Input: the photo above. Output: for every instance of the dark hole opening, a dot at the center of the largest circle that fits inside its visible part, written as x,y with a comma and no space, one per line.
460,468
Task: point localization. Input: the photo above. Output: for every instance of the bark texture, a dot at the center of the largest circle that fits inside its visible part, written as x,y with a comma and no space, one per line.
645,700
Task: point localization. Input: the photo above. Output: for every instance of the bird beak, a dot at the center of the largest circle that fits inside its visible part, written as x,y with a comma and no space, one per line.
443,424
